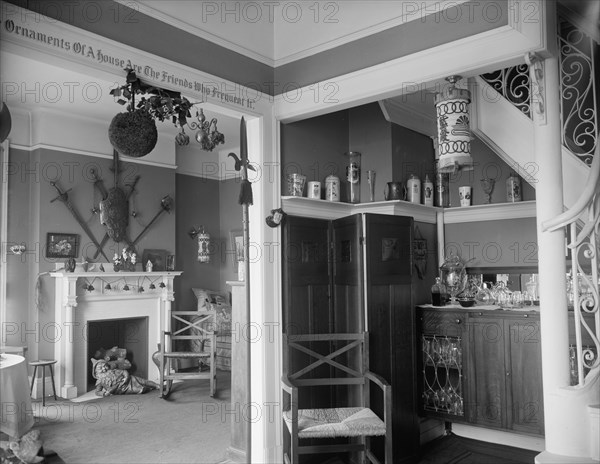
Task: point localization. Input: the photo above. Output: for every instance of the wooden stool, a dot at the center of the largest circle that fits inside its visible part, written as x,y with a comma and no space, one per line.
43,363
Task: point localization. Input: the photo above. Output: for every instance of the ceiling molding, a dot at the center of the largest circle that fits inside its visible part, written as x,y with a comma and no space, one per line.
63,149
269,57
184,26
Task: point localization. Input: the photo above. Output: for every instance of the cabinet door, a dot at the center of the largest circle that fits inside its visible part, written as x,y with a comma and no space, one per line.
306,288
525,411
443,344
486,399
348,296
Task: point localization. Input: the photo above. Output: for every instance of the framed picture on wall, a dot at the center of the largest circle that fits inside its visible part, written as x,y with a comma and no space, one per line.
60,245
158,258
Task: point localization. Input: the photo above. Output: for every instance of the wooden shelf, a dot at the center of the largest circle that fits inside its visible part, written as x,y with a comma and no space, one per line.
322,209
493,212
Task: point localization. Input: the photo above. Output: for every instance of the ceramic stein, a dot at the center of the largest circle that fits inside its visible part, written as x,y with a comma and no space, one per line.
393,191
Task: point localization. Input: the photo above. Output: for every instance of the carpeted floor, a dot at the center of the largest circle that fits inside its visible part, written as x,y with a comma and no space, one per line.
188,427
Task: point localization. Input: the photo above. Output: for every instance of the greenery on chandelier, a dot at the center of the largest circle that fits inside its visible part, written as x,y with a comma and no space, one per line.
134,133
161,104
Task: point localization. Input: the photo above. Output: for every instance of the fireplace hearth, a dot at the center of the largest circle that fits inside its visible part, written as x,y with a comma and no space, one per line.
130,334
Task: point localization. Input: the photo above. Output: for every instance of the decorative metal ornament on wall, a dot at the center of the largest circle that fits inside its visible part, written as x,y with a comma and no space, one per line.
454,133
113,210
276,218
419,246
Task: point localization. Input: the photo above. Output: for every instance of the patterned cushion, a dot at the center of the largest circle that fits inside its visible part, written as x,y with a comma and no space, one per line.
209,300
336,422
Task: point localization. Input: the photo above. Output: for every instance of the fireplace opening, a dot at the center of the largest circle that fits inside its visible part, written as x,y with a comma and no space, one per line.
128,333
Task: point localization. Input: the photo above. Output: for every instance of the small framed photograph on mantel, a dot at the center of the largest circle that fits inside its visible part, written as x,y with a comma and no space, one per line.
60,245
158,258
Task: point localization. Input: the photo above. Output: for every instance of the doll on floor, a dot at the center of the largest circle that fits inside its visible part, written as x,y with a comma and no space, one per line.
118,381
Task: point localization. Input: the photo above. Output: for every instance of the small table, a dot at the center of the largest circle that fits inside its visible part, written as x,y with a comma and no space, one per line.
16,412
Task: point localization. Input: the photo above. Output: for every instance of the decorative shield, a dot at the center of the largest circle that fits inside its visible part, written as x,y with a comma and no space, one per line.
114,214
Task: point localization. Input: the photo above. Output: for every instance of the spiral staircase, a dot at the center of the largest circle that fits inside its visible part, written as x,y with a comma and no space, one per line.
505,110
502,117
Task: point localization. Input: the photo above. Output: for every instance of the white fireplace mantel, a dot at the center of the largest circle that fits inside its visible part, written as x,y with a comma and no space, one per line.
82,297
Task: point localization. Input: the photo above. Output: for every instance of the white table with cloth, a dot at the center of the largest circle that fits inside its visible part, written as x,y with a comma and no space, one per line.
15,400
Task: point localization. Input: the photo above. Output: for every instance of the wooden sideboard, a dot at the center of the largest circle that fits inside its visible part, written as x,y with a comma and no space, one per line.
482,367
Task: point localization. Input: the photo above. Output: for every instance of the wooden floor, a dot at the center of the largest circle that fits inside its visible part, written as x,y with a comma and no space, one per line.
452,449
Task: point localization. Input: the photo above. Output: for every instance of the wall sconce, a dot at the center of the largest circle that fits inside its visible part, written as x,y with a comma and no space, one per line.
454,133
203,243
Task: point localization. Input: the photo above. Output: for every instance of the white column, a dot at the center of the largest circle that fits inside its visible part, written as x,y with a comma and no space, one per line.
69,390
165,307
69,285
551,254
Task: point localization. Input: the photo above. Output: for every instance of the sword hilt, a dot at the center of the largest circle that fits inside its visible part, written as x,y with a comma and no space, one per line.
62,196
132,186
98,183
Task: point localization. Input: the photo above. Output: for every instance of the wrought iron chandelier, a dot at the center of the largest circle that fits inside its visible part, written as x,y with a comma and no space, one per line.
208,135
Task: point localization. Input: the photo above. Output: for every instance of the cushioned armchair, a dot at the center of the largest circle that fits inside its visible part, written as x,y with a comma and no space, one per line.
336,365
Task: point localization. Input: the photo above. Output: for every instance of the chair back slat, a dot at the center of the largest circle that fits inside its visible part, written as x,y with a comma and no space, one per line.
325,359
329,381
323,337
201,326
309,344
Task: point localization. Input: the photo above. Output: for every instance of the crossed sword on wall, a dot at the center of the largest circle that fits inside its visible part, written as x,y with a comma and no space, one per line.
63,197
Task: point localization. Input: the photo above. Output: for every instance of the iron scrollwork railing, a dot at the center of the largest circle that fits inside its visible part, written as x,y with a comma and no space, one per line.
579,98
514,85
578,88
584,279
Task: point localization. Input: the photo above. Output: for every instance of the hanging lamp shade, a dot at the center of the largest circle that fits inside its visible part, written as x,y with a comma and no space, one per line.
454,133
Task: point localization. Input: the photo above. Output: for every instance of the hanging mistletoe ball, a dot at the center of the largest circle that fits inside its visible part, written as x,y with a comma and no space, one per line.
133,133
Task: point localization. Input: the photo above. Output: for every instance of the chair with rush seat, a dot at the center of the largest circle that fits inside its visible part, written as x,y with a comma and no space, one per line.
329,364
199,331
43,363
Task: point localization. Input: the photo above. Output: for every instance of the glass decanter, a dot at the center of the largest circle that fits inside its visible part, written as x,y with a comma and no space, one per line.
502,295
484,296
